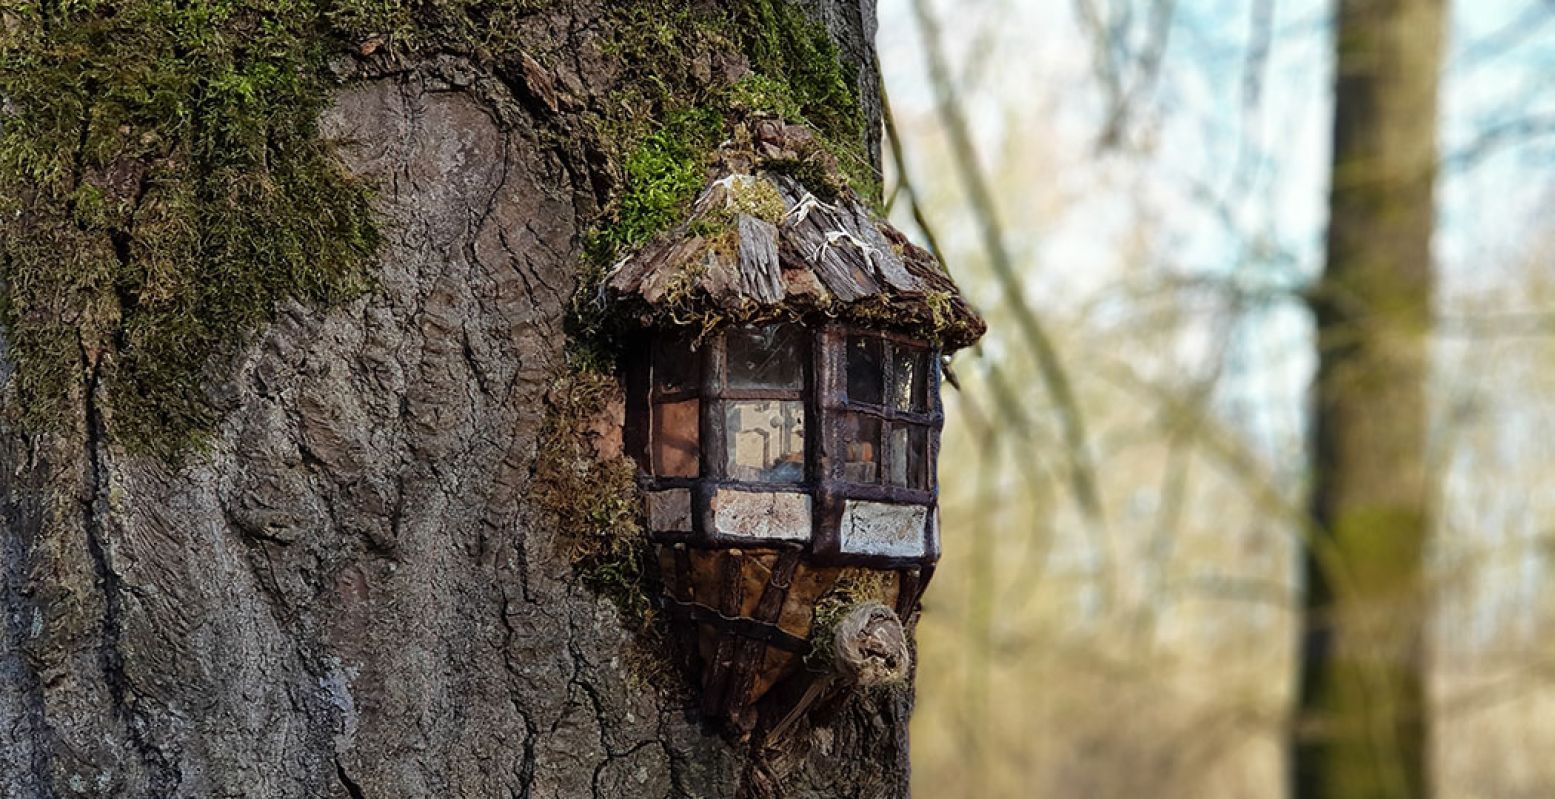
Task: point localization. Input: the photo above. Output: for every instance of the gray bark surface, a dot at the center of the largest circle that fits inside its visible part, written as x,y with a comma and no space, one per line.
351,594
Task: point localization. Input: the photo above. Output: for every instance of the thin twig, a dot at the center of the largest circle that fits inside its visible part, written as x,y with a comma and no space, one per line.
1496,138
1053,374
904,179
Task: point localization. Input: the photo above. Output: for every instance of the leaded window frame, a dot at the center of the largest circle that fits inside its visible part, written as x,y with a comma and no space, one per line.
826,405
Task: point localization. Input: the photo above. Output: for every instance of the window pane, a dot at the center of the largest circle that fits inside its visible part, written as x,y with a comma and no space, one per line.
765,440
674,364
912,377
909,457
918,458
766,357
861,442
676,426
896,471
865,370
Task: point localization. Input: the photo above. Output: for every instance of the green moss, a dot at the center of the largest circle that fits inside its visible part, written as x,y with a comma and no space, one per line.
674,121
164,187
761,95
668,123
796,53
593,498
786,46
932,318
754,198
663,173
477,27
757,198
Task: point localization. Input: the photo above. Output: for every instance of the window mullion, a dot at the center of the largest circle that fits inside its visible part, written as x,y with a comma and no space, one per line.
887,404
829,361
715,449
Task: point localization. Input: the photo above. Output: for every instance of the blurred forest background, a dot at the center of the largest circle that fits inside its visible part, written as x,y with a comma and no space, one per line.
1118,609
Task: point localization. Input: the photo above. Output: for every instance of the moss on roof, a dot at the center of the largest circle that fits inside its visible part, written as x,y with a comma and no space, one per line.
758,245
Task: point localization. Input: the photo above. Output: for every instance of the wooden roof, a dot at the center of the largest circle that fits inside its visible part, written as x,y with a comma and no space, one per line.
759,245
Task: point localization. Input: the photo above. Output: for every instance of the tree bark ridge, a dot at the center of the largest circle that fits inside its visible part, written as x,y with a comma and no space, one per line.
350,593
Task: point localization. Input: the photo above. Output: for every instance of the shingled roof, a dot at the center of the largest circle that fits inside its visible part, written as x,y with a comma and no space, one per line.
759,245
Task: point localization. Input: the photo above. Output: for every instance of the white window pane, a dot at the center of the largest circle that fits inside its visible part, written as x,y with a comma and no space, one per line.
765,441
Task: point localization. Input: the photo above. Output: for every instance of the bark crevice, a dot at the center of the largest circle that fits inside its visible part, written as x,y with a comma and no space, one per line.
351,592
97,522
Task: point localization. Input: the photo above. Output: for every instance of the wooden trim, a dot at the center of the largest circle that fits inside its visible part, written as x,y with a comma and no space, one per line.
872,492
752,651
658,397
930,419
931,542
889,335
732,484
713,437
685,594
924,577
816,557
715,685
712,539
826,407
907,586
754,630
702,522
760,394
636,374
651,483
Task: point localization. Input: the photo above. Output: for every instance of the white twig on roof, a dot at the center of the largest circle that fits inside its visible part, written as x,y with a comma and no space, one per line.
834,236
727,183
802,209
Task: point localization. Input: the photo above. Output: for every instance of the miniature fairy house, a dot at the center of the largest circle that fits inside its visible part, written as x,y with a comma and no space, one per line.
783,403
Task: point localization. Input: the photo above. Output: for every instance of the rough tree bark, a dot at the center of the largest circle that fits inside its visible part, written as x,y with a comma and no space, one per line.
351,594
1362,733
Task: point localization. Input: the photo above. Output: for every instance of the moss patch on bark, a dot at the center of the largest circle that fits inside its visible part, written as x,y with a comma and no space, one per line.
590,488
163,186
792,71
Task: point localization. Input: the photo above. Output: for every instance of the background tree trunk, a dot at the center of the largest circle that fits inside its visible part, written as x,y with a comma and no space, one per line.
351,593
1362,731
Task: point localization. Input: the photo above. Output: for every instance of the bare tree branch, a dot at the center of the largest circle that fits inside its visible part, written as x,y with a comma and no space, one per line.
981,197
1495,138
1496,325
1531,21
904,179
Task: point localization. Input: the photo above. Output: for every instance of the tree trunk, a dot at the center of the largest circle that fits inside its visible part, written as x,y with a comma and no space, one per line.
351,592
1362,731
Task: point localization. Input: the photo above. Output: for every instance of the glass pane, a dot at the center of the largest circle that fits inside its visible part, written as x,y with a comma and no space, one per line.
865,370
918,458
766,357
909,457
861,441
674,364
912,376
676,428
766,441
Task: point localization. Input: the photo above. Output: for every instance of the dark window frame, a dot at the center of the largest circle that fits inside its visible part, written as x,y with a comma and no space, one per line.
823,390
836,405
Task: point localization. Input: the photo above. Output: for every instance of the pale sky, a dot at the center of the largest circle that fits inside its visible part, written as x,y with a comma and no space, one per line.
1202,131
